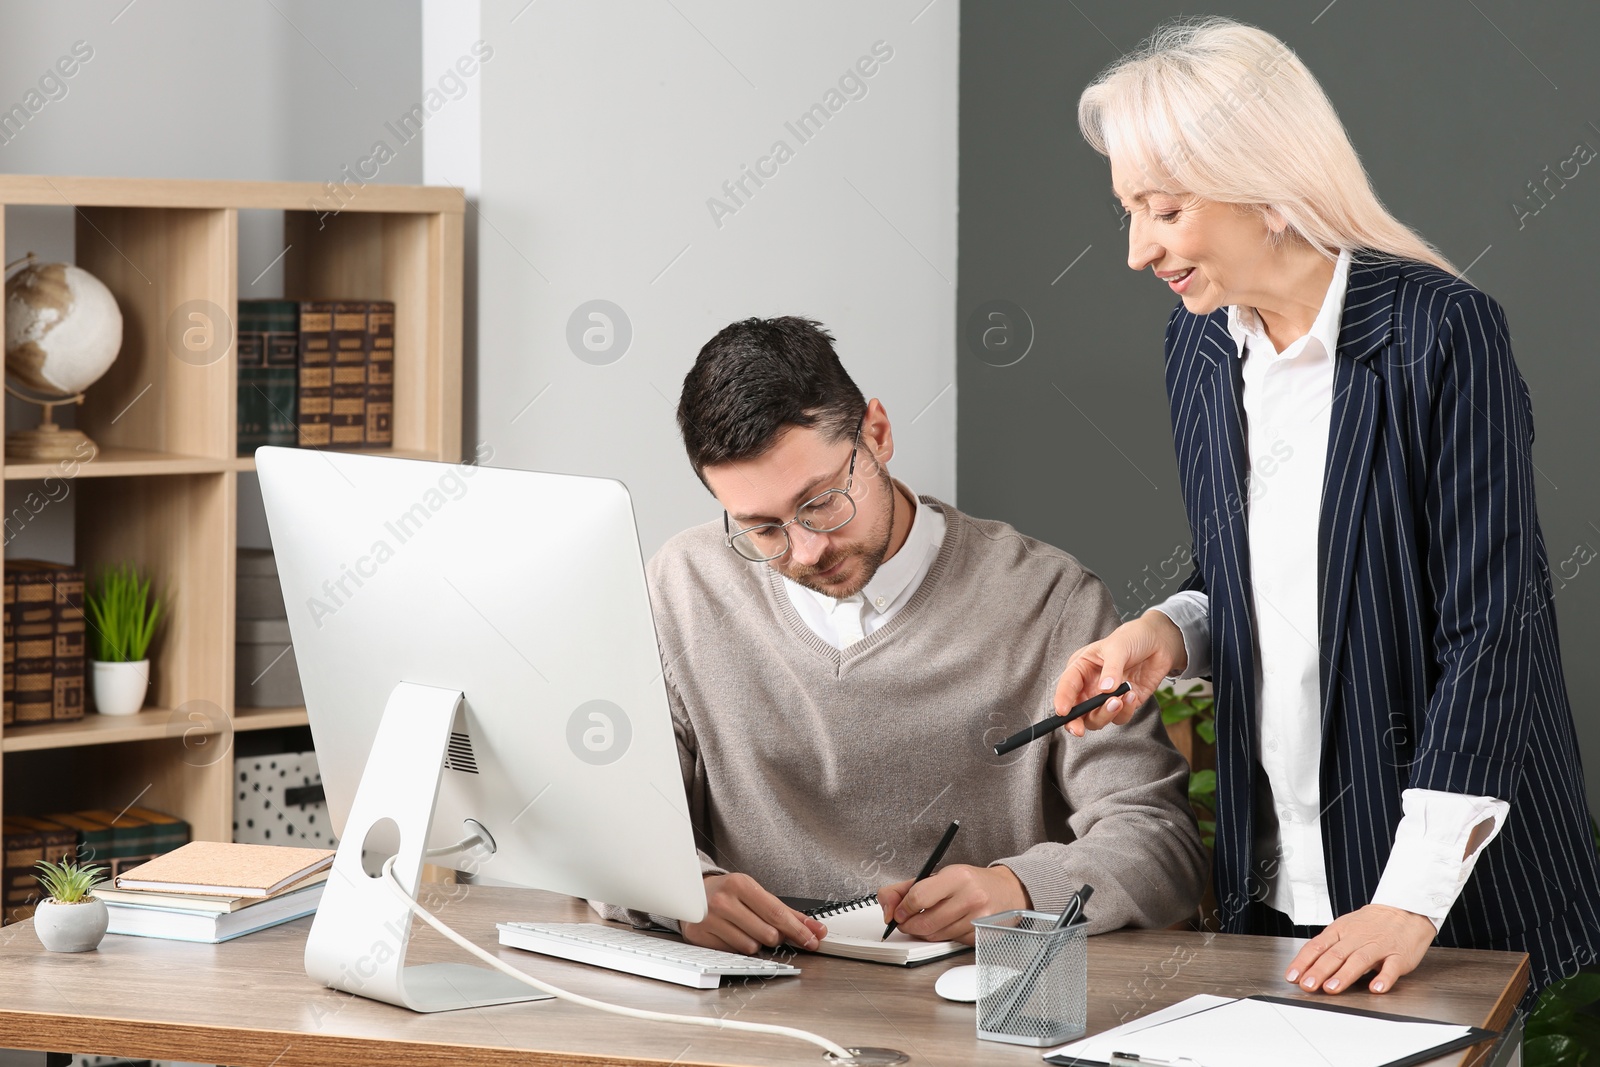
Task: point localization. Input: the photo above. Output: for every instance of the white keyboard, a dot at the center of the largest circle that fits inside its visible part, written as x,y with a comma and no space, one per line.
638,953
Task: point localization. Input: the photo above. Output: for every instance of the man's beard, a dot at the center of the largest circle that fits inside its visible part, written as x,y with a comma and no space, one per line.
871,554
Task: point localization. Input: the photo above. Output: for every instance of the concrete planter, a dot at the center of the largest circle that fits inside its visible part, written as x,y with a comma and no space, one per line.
75,927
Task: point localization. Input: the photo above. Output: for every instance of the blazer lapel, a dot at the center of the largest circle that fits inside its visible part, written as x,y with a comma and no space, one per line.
1353,425
1221,384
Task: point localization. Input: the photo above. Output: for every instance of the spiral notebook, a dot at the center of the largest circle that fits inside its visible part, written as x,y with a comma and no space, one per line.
855,931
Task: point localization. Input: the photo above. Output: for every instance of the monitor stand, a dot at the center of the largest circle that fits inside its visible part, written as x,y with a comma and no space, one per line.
361,930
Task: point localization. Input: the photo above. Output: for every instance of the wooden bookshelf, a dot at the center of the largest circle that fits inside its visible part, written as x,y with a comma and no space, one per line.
163,490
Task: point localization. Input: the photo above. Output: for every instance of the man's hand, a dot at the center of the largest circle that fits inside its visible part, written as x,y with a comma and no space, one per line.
1374,936
942,906
1142,653
741,917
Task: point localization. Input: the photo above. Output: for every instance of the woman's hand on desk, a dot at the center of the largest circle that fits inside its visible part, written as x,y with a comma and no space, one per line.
1142,653
1376,936
742,917
942,906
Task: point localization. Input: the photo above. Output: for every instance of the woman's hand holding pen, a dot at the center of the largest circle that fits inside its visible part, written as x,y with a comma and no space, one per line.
741,917
1142,653
942,906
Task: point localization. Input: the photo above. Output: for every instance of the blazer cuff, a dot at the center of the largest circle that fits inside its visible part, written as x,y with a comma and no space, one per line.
1464,772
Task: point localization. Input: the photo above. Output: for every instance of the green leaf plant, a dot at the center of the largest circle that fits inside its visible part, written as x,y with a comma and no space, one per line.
68,882
122,615
1196,705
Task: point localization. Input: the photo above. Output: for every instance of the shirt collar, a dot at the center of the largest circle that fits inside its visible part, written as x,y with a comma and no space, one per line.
1244,323
901,573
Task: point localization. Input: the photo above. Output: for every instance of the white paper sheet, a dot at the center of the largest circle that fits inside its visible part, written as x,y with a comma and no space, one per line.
1217,1032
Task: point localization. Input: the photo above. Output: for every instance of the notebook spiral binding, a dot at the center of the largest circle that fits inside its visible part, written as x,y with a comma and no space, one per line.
838,907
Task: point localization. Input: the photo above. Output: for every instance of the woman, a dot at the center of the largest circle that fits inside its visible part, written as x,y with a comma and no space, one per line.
1371,597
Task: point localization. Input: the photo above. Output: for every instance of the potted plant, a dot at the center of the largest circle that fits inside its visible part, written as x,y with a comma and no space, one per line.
71,918
122,616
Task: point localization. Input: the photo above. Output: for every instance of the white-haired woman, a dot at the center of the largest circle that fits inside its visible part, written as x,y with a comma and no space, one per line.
1371,597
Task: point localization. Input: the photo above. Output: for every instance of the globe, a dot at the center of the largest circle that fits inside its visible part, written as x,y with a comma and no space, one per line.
63,328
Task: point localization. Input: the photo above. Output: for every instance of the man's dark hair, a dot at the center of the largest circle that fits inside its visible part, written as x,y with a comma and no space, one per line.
755,379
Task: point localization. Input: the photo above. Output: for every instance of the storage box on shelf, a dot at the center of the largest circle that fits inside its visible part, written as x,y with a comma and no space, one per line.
163,489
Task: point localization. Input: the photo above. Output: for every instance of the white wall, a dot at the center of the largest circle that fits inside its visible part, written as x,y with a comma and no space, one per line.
605,129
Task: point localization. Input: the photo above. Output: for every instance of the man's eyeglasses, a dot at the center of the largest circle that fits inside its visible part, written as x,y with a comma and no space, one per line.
824,513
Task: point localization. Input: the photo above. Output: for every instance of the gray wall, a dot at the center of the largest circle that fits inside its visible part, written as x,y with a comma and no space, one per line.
286,90
1454,109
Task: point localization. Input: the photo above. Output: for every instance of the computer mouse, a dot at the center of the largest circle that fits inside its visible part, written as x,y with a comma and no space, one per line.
959,983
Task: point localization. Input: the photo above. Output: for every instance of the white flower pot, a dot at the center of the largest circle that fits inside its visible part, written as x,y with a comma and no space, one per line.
120,688
71,927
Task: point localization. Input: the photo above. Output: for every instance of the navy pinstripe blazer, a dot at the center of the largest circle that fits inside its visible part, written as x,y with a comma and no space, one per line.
1440,664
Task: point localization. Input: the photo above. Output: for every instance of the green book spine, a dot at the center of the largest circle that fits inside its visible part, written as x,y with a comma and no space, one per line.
280,376
252,347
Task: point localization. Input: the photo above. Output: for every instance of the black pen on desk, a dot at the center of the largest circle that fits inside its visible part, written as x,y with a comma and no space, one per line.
1055,722
927,868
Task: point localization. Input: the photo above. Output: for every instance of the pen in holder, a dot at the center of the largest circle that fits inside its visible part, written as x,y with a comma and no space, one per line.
1033,978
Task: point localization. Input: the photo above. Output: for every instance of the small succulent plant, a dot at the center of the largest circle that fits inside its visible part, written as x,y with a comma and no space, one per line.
68,882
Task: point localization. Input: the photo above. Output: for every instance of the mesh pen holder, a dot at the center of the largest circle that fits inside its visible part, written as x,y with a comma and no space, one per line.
1033,980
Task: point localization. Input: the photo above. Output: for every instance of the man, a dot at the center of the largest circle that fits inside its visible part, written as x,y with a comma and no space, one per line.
841,656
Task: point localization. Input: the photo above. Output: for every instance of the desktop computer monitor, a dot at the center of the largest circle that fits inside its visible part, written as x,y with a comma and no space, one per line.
479,662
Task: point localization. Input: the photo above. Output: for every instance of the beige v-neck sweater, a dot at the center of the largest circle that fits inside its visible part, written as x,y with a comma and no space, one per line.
829,773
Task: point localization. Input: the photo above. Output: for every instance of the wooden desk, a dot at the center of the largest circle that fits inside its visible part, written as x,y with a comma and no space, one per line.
248,1003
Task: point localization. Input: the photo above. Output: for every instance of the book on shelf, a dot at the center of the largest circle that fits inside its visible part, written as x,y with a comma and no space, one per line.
211,927
269,356
49,628
380,373
224,868
165,832
94,835
33,627
10,587
138,835
71,649
28,840
251,349
349,409
315,353
197,902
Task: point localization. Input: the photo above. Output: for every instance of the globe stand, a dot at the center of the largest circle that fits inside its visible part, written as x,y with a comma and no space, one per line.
48,441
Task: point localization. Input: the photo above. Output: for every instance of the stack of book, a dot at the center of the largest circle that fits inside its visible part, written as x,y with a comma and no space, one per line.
213,891
44,642
316,373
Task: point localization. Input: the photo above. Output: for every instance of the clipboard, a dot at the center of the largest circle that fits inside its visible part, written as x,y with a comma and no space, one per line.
1473,1036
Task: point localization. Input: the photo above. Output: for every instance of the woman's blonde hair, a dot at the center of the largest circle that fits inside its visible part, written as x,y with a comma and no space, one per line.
1227,112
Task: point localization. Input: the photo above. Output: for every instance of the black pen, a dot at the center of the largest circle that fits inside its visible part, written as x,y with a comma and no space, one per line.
927,868
1055,722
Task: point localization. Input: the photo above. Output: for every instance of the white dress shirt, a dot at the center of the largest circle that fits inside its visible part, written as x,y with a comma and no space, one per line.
844,621
1288,399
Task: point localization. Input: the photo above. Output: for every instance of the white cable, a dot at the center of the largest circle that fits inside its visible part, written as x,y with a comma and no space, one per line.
636,1013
